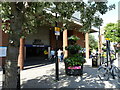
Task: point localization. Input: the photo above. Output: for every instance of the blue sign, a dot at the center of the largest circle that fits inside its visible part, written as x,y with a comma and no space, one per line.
3,51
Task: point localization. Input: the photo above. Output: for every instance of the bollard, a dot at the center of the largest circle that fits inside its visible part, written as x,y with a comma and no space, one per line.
18,78
3,77
94,61
118,55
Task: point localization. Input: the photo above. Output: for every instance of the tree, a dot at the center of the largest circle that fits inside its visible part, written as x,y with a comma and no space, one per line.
112,31
18,16
93,43
23,18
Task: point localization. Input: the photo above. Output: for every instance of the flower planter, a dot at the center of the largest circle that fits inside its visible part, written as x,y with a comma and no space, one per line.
75,60
74,71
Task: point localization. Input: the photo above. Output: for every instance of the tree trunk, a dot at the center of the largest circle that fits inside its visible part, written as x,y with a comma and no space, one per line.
16,22
21,54
11,68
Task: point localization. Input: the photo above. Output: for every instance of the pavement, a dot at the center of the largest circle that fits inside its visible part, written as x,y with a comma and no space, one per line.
43,76
0,78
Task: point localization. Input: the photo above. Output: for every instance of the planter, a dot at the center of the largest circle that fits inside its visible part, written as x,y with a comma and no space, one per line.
75,58
74,71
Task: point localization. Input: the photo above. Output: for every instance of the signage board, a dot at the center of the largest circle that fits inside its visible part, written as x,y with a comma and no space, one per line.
3,51
57,31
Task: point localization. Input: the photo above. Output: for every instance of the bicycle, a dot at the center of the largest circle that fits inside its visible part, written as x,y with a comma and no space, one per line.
105,71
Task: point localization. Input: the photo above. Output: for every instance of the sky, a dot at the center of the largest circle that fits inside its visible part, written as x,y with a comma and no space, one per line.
110,16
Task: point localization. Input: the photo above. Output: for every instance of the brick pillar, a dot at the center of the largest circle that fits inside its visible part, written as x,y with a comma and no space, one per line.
21,53
87,45
65,43
100,44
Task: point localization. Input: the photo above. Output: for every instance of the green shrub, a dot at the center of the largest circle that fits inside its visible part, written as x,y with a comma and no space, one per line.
73,47
76,60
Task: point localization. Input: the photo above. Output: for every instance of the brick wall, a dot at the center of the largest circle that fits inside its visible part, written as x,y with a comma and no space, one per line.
3,42
82,38
53,39
81,35
70,32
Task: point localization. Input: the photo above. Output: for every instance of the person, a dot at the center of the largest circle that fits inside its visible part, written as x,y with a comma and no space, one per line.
62,56
52,54
59,54
46,54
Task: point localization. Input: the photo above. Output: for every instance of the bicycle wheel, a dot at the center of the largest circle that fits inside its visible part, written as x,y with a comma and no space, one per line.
116,71
103,73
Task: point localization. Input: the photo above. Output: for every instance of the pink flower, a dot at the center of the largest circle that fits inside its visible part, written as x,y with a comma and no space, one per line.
75,67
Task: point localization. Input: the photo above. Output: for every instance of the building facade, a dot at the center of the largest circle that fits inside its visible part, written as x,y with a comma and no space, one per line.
45,38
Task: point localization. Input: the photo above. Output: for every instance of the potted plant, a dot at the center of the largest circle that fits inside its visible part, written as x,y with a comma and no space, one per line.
74,65
73,49
73,39
74,62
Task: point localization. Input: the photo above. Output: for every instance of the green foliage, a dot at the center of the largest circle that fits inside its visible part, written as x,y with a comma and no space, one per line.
76,60
112,31
35,14
73,37
93,43
90,14
5,15
32,16
73,47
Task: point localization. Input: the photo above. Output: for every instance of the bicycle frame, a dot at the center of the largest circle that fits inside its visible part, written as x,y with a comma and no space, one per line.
109,70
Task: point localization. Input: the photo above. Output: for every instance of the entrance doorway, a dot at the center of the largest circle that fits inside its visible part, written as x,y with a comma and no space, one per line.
35,52
35,55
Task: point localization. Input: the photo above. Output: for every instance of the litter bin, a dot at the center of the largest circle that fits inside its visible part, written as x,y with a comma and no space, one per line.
94,61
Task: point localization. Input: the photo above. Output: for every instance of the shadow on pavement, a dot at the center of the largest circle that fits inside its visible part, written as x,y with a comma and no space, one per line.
88,80
35,62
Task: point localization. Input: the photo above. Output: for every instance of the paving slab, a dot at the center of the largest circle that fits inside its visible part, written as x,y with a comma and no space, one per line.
0,78
43,76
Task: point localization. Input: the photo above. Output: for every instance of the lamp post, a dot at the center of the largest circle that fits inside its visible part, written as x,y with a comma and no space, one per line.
57,33
99,45
114,41
108,50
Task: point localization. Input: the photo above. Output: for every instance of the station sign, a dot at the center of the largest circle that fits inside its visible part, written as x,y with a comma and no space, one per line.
57,31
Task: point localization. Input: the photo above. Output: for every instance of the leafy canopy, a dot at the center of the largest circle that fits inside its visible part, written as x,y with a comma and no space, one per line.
112,31
93,43
36,14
